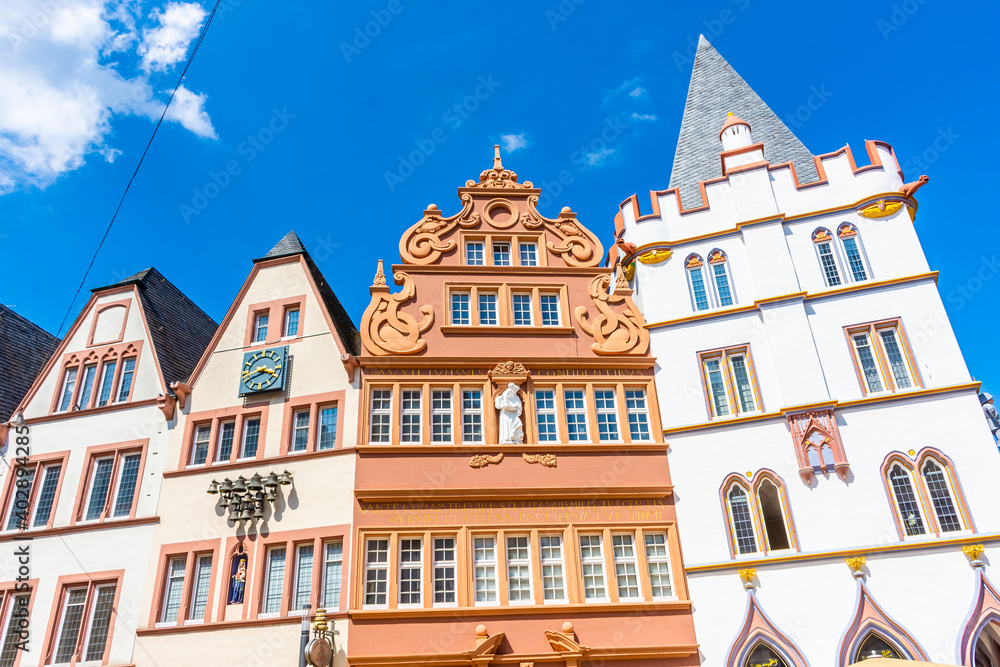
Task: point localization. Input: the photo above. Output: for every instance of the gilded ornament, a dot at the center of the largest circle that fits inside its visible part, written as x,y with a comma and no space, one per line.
974,551
547,460
385,329
613,332
483,460
655,256
748,574
880,209
629,271
856,563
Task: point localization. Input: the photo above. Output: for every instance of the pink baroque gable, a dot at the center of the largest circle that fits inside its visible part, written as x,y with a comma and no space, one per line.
985,610
814,431
756,628
870,617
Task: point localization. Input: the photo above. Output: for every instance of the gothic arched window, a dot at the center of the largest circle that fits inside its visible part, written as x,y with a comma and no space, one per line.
741,518
876,646
772,512
763,655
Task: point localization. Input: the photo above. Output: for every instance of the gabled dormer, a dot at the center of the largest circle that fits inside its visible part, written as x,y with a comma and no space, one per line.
131,341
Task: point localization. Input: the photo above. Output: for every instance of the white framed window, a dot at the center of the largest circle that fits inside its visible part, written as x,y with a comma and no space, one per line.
227,432
333,567
460,308
658,564
199,452
592,568
125,385
260,327
718,266
501,253
376,572
519,569
107,382
851,242
940,492
302,590
381,415
729,382
696,282
551,561
894,353
626,566
488,309
300,431
441,411
410,415
251,438
202,584
100,600
327,427
576,415
274,582
174,589
87,386
410,571
828,262
522,309
484,565
472,415
444,572
528,253
870,369
474,253
545,411
638,415
906,501
741,520
291,323
45,500
550,310
607,415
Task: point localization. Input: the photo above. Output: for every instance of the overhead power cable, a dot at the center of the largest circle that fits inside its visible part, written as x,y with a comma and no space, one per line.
121,201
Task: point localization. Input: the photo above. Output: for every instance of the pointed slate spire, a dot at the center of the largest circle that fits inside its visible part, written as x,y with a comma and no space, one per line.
715,90
288,245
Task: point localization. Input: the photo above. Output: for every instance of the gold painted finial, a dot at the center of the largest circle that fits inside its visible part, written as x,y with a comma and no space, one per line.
747,575
729,114
856,563
497,164
974,551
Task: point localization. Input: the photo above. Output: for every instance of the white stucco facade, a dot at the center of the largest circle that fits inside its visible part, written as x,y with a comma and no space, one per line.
795,329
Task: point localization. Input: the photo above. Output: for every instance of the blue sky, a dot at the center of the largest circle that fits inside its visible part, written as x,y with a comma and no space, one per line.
293,118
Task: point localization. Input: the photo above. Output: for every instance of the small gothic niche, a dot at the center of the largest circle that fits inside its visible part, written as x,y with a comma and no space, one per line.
817,443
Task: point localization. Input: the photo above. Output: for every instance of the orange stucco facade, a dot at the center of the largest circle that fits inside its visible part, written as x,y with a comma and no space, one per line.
549,539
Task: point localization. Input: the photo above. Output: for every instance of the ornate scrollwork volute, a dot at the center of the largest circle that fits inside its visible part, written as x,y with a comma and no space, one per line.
613,332
576,245
384,329
422,243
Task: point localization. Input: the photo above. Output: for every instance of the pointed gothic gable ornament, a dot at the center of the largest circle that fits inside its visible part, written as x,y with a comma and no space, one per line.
872,628
985,610
817,443
760,636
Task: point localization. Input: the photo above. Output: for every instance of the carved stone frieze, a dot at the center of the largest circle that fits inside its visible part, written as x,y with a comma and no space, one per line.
613,332
483,460
547,460
384,328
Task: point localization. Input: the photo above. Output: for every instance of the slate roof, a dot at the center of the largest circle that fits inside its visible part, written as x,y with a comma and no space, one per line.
24,349
180,330
715,90
346,331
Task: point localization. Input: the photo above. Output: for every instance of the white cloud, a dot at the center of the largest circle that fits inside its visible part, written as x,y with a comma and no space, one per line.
638,91
512,142
166,45
60,89
643,116
188,109
599,157
627,88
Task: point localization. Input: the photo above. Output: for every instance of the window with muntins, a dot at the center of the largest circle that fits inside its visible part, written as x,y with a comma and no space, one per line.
501,253
592,568
411,415
474,253
696,282
410,571
729,382
84,623
444,571
576,415
112,485
553,583
519,569
758,517
742,520
882,357
381,415
260,327
607,415
376,572
907,503
529,254
460,308
925,495
441,410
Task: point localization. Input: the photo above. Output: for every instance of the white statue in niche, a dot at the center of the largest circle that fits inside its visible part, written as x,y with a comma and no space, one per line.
509,405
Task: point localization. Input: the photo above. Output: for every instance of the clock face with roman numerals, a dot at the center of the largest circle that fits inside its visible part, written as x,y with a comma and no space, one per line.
263,370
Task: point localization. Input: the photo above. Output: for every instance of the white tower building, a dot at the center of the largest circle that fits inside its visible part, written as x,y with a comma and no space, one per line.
833,472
